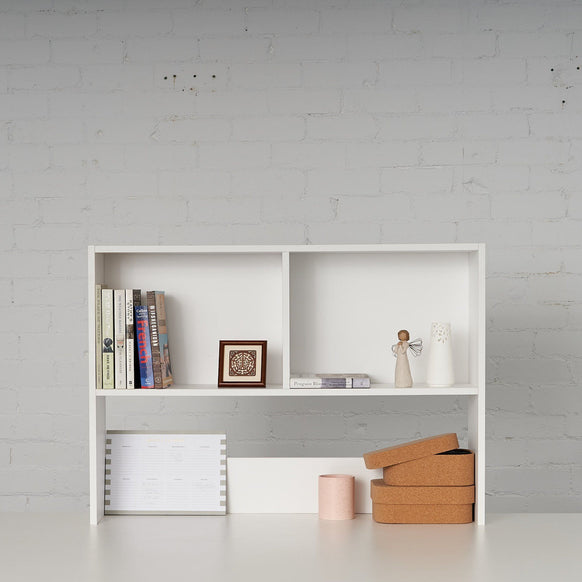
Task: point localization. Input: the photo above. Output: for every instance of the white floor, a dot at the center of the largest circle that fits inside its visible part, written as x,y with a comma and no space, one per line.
65,548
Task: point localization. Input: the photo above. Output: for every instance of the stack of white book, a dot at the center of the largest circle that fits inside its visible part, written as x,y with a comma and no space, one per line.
329,381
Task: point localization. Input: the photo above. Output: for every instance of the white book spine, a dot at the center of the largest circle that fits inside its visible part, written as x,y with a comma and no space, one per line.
320,383
329,382
108,342
129,339
361,383
98,338
119,328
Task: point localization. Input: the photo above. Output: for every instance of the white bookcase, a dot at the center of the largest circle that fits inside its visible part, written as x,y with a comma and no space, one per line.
321,309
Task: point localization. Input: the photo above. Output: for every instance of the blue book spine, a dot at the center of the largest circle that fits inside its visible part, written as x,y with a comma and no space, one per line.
144,347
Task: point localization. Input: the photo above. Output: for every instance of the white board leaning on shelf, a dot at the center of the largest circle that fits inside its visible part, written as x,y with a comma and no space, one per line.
165,473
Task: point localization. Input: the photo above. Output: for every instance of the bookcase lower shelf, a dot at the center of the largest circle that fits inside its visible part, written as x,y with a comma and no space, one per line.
290,484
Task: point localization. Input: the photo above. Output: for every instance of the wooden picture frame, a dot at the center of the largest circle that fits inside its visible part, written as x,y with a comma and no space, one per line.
242,364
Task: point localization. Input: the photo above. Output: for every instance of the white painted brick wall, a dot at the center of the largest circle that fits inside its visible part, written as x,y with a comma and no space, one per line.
279,121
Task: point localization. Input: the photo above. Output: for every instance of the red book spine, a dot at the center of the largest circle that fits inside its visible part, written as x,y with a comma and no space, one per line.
142,332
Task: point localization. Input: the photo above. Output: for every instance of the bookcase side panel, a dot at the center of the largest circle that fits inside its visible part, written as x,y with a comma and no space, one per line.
97,462
96,405
92,279
476,434
210,297
477,410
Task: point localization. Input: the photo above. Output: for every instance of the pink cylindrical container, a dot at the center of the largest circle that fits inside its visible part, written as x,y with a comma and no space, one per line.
336,496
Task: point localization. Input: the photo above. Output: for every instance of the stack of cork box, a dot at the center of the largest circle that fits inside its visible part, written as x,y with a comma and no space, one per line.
429,480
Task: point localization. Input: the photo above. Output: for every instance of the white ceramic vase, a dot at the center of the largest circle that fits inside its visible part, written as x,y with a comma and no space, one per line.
440,372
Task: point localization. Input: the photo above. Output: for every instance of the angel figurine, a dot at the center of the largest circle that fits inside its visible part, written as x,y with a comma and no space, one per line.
402,375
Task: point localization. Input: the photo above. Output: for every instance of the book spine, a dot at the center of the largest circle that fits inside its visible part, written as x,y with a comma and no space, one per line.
144,348
129,339
154,338
361,383
136,378
166,368
119,330
320,383
98,338
107,344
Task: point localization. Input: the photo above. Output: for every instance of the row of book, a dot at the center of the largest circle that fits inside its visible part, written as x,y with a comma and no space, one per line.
131,340
329,381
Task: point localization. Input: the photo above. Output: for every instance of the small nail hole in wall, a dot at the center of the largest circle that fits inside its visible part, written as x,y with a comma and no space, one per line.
214,76
166,78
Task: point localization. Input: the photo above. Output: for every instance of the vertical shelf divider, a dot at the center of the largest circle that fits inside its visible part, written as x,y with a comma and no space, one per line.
286,323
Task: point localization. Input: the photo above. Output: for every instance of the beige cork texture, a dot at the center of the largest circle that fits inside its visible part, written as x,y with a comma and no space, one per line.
383,513
456,468
395,495
411,451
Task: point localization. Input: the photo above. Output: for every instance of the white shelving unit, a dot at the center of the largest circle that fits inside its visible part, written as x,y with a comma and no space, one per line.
321,309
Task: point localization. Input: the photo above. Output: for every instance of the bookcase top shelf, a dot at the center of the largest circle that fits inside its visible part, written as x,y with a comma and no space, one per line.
274,390
250,249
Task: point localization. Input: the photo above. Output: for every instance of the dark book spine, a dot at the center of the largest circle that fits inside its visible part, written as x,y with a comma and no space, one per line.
136,303
144,349
154,339
167,379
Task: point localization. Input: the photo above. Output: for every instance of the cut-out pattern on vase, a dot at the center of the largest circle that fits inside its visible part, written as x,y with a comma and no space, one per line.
440,372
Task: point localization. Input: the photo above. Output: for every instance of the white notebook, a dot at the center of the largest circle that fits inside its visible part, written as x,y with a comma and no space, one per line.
165,473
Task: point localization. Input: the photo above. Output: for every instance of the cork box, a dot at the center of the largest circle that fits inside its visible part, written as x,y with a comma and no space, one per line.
430,480
456,468
401,504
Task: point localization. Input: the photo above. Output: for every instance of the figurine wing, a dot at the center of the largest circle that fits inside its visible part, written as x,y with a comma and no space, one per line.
415,347
394,349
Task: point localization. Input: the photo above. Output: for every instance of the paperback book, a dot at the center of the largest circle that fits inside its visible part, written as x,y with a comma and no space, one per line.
107,343
98,337
329,381
154,338
144,348
166,368
136,302
119,330
129,340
